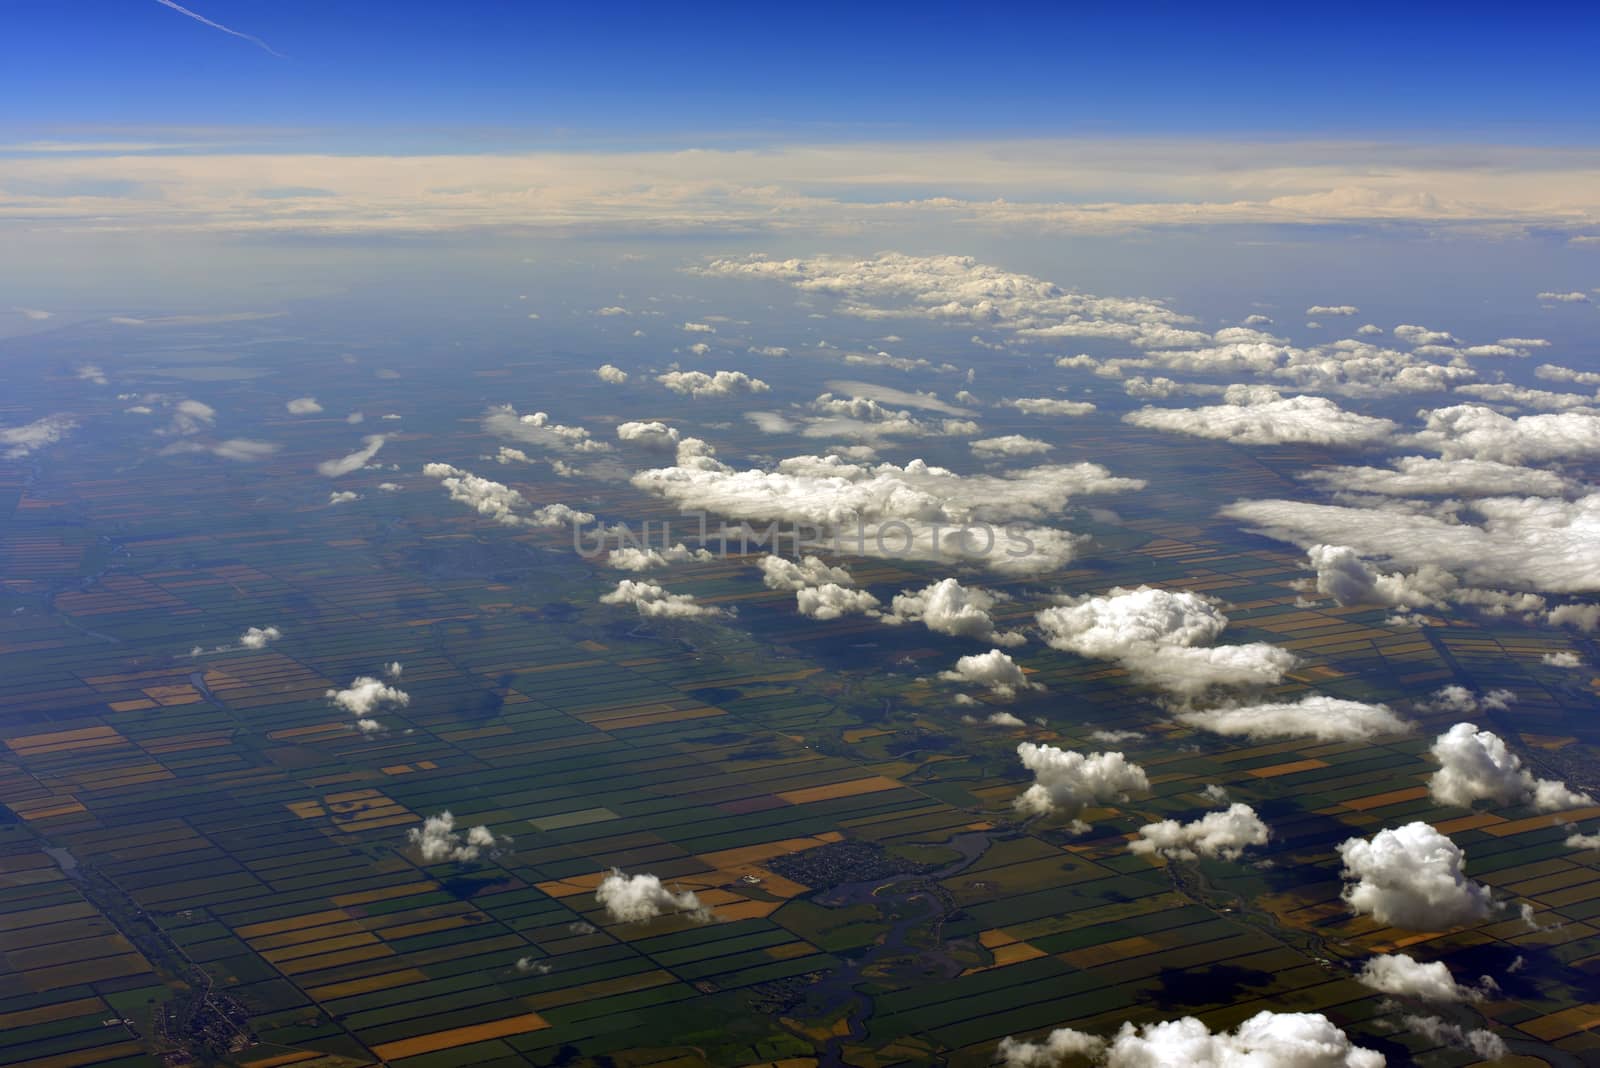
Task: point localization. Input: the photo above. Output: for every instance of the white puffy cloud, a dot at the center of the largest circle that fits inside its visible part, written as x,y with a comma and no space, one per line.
189,417
1462,701
833,601
1266,1040
1342,575
1396,973
781,573
500,502
653,602
355,461
1524,543
1571,297
535,428
867,419
1223,834
720,384
259,637
1583,616
1478,1041
1067,781
607,372
1162,639
652,435
1331,310
1475,432
1476,765
1421,476
1566,658
343,496
303,406
1504,393
1260,416
993,719
640,898
1327,719
1411,877
912,511
366,695
437,840
1579,840
1556,373
995,670
632,558
1050,406
947,607
1009,445
241,450
20,441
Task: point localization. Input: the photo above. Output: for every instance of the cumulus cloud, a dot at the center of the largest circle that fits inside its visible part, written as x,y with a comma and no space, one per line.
1330,310
995,670
1556,373
500,502
1566,658
1067,781
354,461
1342,575
437,840
631,558
781,573
1398,974
947,607
916,510
1009,445
653,602
1163,639
720,384
1476,432
1583,616
1481,1043
1327,719
1422,476
20,441
259,637
1462,701
1223,835
1579,840
832,601
366,695
303,406
867,419
607,372
1266,1040
1050,406
1571,297
641,898
1523,543
1411,877
343,496
536,428
1254,415
1476,765
652,435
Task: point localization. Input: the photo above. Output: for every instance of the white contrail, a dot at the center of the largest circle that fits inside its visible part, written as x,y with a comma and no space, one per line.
180,9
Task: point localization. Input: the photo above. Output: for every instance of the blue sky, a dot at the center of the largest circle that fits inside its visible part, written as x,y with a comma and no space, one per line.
435,76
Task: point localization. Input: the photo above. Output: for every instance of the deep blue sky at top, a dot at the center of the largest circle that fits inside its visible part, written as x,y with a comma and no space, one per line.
452,75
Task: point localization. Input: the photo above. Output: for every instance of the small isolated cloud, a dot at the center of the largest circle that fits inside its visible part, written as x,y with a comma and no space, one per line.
1564,659
1067,781
1009,445
1462,701
1327,719
366,695
1476,765
1481,1043
652,435
303,406
1266,1040
1412,877
1163,639
259,637
995,719
631,558
781,573
833,601
1217,835
1342,575
995,670
1327,310
640,898
92,374
607,372
1572,297
721,384
1579,840
437,840
1398,974
343,496
947,607
20,441
499,502
653,602
1050,406
355,461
